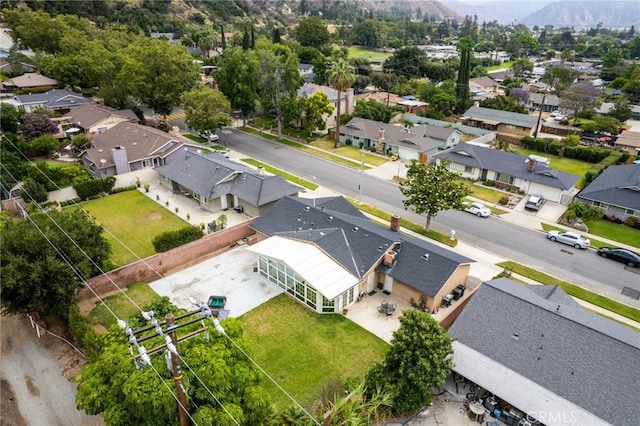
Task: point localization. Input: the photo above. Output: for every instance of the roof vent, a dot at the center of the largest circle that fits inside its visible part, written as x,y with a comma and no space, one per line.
425,256
330,218
103,161
379,248
355,229
299,217
515,336
321,234
307,208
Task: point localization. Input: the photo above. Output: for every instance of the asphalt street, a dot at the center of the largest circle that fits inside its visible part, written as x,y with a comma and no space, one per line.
505,239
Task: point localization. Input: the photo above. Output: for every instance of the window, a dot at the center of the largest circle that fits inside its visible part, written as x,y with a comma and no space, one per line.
468,169
510,126
146,163
501,177
328,305
102,129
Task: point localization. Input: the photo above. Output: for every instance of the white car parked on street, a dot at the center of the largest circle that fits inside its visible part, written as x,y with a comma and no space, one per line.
570,238
478,209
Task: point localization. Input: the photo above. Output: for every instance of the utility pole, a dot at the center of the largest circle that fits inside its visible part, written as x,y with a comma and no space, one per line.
388,86
177,372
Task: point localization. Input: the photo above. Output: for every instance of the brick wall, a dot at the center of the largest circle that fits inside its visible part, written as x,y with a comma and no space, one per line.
161,263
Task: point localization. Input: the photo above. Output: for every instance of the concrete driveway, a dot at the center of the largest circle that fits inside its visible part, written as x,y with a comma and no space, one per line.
229,274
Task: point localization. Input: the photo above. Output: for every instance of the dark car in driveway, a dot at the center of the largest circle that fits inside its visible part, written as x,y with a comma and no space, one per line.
621,255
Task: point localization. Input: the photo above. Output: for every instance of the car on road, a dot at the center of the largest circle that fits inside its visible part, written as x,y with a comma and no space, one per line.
208,135
534,202
628,257
570,238
477,209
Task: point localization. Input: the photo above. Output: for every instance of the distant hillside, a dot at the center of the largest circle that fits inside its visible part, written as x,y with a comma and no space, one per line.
587,14
437,9
504,12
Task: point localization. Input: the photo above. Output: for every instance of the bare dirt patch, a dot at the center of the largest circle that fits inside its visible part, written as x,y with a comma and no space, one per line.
33,389
9,412
154,216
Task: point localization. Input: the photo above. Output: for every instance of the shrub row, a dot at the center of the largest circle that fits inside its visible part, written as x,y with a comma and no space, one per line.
91,188
172,239
122,189
589,154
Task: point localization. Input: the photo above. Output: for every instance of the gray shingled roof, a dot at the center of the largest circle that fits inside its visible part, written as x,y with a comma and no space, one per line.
54,99
505,117
87,115
584,358
357,243
617,185
214,176
509,163
422,137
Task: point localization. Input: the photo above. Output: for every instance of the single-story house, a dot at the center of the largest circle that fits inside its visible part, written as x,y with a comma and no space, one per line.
325,253
418,142
306,72
31,80
60,100
5,65
93,119
531,175
485,84
629,142
127,147
555,128
504,122
537,355
346,100
551,102
219,184
616,191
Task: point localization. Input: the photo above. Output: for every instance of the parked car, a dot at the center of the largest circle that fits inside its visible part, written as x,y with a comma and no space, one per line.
208,135
478,209
534,202
571,238
621,255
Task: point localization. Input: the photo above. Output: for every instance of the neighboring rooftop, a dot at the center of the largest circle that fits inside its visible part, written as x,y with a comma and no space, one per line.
616,185
499,116
539,334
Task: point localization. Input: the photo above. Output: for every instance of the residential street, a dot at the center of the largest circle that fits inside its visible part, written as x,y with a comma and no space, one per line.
34,389
495,235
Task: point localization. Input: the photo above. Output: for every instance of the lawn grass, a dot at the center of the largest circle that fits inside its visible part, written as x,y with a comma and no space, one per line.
57,164
616,232
504,65
483,193
291,178
139,292
195,138
372,55
307,149
134,219
574,290
350,151
568,165
303,350
595,243
404,223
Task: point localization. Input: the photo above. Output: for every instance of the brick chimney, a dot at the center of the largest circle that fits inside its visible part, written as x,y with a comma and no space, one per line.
395,223
532,164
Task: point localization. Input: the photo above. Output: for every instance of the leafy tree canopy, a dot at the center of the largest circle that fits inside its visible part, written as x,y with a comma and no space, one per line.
34,125
223,384
373,110
238,79
430,188
418,361
315,107
206,109
35,275
312,32
504,103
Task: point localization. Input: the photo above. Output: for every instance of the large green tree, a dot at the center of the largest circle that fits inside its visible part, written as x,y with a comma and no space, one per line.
279,78
430,188
312,31
238,78
579,98
341,77
314,108
418,362
206,109
373,110
223,385
44,259
158,73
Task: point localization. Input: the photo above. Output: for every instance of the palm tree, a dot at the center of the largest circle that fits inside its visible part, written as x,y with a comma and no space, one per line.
341,77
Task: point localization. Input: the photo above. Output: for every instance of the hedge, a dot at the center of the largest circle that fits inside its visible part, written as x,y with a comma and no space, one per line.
91,188
172,239
589,154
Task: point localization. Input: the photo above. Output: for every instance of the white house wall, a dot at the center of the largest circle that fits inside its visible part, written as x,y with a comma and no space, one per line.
549,193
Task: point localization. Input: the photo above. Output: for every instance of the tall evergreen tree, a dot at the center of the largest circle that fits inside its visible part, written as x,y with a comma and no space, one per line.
462,86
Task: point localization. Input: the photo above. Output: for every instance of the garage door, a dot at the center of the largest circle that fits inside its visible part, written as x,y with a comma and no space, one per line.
549,193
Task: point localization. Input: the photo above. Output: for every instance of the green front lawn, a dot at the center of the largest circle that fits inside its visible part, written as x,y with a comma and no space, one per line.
504,65
291,178
616,232
350,151
574,290
569,165
139,292
483,193
372,55
133,219
303,350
